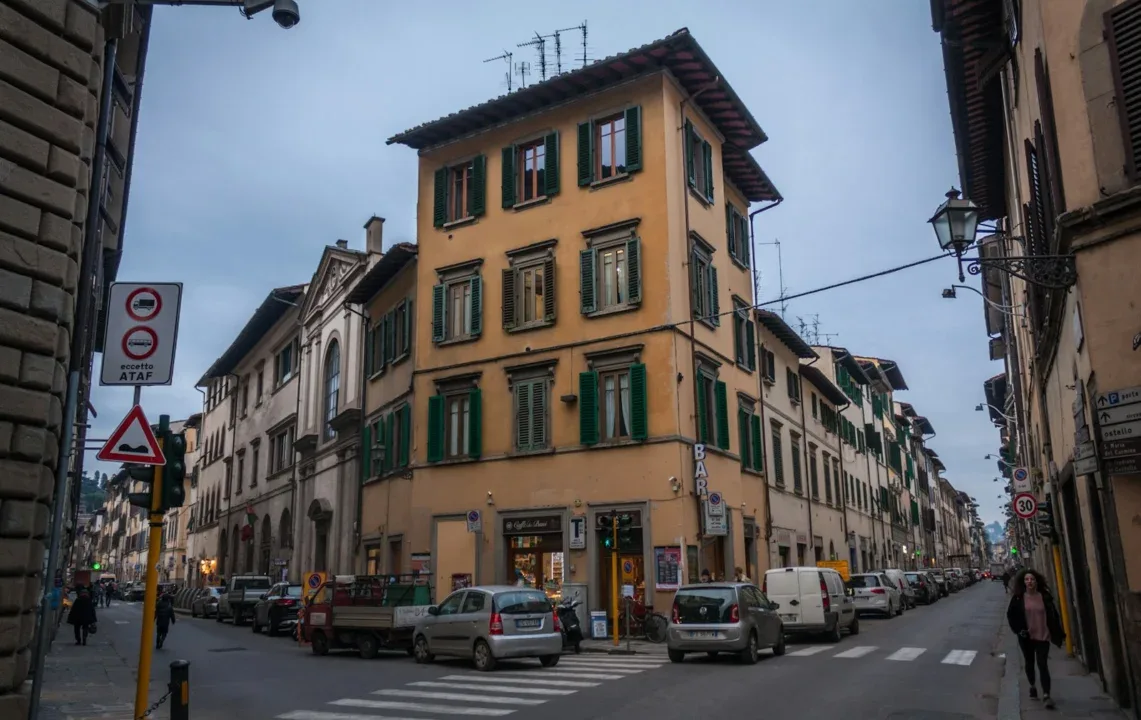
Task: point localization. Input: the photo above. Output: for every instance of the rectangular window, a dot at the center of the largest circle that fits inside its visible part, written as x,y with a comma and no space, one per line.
792,379
531,404
610,275
815,408
245,395
241,470
744,336
769,366
460,191
255,456
778,456
827,477
749,436
261,385
455,423
699,163
281,450
712,409
813,473
284,364
529,292
706,306
530,170
797,477
532,162
457,309
612,404
610,147
737,235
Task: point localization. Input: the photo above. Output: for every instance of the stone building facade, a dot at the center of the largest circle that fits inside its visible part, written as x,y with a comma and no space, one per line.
51,84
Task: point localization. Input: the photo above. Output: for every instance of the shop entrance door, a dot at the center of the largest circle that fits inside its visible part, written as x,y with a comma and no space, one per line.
535,553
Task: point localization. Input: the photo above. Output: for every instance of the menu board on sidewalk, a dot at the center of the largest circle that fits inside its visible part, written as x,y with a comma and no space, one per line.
667,564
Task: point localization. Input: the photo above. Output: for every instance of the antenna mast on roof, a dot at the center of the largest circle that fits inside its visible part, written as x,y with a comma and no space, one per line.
558,42
540,44
810,331
522,69
780,277
505,56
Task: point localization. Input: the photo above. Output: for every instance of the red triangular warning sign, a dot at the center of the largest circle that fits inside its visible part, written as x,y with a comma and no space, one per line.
133,442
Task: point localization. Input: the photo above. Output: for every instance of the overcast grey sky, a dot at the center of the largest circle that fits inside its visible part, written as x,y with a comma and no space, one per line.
259,146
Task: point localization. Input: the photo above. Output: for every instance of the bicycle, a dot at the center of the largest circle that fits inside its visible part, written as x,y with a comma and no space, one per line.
644,622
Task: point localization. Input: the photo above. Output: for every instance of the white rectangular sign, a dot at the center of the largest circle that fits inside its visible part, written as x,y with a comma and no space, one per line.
1123,431
578,533
1085,466
1119,414
714,524
1113,398
141,333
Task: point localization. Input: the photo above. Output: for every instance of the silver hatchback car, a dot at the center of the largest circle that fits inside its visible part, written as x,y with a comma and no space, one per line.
490,623
724,617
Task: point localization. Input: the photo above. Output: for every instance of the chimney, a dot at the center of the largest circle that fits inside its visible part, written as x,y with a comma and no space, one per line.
374,235
343,244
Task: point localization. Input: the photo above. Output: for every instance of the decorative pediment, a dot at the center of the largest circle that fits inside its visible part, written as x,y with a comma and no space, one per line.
333,276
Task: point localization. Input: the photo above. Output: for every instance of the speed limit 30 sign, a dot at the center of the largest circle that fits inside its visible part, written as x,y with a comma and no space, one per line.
1025,505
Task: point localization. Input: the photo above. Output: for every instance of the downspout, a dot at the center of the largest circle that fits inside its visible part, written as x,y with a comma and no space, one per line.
875,501
760,359
359,513
844,485
689,271
807,460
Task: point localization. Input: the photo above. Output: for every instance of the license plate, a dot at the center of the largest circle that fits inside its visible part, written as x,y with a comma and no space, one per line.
788,617
699,635
528,624
862,598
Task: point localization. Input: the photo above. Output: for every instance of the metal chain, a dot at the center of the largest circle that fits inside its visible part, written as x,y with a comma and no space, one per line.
158,703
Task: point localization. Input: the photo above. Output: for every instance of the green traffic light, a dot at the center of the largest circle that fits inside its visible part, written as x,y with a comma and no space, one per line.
1013,551
96,566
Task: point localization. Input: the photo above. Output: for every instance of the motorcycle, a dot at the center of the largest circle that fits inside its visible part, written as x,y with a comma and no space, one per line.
571,627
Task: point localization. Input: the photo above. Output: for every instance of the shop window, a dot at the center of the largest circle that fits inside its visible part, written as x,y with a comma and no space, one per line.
457,303
531,389
535,553
529,287
631,556
455,419
610,269
613,398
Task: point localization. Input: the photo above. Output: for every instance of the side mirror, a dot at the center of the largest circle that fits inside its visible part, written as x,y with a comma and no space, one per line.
263,596
774,605
433,610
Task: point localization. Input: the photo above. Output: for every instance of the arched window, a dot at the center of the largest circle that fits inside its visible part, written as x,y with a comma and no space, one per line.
285,529
332,387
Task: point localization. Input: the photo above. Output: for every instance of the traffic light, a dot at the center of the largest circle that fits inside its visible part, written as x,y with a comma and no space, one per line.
96,566
625,531
174,473
138,473
1013,550
1045,518
605,528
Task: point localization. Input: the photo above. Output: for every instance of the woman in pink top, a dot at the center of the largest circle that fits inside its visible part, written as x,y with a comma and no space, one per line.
1033,616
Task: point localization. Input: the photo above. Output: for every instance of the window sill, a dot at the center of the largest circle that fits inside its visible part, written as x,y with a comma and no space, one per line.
616,310
528,453
620,442
607,182
457,341
457,223
739,263
769,381
454,461
707,322
746,368
707,202
755,473
530,326
533,202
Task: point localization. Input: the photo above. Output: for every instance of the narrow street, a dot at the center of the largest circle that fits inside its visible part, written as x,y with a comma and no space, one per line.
934,662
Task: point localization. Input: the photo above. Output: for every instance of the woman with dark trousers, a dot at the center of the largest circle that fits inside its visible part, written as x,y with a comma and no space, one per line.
82,615
1034,618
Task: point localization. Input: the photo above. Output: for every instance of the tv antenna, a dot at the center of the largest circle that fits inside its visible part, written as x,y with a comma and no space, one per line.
505,56
559,44
540,44
522,69
780,277
810,330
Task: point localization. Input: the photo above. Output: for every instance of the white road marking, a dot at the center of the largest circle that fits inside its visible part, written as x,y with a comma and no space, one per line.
458,697
856,652
496,688
317,715
960,657
805,652
620,659
906,654
122,622
538,674
483,677
606,667
418,707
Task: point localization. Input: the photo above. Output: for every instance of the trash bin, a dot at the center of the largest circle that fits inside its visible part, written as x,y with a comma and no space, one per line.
598,624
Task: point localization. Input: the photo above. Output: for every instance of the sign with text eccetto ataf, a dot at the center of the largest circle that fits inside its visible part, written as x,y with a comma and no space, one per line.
141,333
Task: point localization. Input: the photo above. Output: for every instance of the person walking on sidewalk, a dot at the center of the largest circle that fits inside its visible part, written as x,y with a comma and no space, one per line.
164,616
1034,618
82,615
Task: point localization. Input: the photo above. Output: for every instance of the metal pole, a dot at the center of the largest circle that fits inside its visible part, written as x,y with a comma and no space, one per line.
85,295
1063,608
629,608
614,575
146,637
179,690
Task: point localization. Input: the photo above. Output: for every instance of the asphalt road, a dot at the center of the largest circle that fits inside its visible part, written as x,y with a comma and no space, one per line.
933,663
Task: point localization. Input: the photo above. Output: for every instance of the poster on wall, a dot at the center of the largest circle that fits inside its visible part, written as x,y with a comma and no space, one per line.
461,581
667,568
691,564
421,564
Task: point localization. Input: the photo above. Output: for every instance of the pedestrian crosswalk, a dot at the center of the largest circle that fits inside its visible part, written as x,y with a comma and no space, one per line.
905,654
471,694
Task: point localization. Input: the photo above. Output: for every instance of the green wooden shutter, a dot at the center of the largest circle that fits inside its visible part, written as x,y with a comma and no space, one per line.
436,428
586,281
508,298
731,229
743,435
440,198
639,403
390,442
382,440
751,341
738,349
438,306
368,331
721,395
588,408
702,413
914,512
509,177
758,443
539,414
523,415
475,423
585,154
366,452
690,160
707,156
549,290
477,191
634,270
379,345
408,318
476,305
551,172
744,239
389,336
633,139
714,296
405,414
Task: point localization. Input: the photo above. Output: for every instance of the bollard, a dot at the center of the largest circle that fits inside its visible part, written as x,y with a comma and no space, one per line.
179,690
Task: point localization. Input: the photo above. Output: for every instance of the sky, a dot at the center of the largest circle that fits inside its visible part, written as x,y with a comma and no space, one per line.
258,147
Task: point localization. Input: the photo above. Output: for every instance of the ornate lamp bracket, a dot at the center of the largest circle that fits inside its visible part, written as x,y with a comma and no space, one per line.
1057,272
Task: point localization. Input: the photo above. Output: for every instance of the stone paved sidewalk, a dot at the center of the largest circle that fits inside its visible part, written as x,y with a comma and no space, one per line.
87,682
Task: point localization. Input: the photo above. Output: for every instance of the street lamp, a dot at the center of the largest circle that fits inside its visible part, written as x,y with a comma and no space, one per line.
982,407
956,224
377,454
285,12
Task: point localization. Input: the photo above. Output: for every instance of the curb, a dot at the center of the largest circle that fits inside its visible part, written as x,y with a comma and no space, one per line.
1009,698
618,651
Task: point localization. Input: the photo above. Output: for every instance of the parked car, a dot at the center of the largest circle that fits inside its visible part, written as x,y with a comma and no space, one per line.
724,617
206,604
874,592
923,586
899,579
240,596
490,623
812,600
277,608
941,582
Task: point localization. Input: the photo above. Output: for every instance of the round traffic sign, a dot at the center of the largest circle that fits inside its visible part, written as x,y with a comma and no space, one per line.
1020,474
627,567
314,580
1025,505
144,304
715,498
473,516
139,343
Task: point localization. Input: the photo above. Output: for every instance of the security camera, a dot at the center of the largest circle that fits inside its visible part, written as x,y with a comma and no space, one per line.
286,14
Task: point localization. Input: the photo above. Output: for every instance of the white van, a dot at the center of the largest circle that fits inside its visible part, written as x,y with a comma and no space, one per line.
812,600
905,589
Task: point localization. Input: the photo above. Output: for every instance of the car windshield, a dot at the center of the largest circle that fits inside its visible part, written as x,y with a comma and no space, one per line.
864,581
522,602
293,591
704,605
914,577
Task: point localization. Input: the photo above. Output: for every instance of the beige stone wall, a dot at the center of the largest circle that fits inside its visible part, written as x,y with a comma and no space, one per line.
49,78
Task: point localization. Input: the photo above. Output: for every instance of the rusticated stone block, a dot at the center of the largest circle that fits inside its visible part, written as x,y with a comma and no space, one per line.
13,672
14,705
18,217
14,555
52,302
37,371
24,406
18,518
49,12
21,30
29,443
55,125
63,167
15,290
12,593
6,430
18,329
31,151
9,364
20,68
32,259
38,190
81,27
58,233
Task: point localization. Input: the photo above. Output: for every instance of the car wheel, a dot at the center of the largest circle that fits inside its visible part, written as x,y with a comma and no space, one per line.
421,652
193,612
218,616
549,660
854,628
320,643
899,610
367,646
254,625
271,626
748,655
779,648
675,656
484,660
834,633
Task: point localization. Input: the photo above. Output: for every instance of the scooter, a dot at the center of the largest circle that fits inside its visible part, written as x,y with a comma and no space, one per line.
572,628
